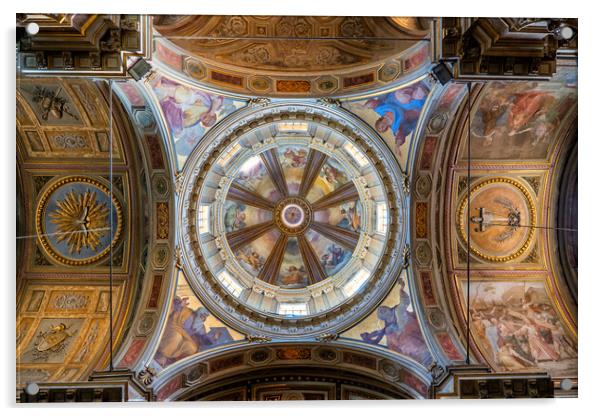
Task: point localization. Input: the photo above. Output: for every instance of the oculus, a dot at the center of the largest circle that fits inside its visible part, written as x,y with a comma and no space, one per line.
292,231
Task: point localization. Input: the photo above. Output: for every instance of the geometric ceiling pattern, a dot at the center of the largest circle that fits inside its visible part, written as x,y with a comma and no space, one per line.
291,55
293,194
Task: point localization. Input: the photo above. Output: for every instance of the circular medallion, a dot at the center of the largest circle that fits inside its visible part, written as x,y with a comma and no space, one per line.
500,220
292,233
292,215
74,218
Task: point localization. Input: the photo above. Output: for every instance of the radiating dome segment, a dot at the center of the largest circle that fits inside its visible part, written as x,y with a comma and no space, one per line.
306,249
293,218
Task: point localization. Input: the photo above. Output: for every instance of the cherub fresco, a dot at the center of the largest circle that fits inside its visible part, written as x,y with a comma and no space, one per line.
234,217
294,158
401,329
399,111
186,333
251,258
334,175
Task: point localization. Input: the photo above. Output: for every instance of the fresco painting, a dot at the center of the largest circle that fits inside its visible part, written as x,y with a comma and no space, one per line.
394,325
347,215
190,328
394,115
238,216
289,210
518,329
293,160
332,175
520,119
254,176
293,156
292,270
449,97
333,257
252,256
190,113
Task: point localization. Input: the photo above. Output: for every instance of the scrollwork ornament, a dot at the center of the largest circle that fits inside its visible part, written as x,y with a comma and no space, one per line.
179,180
406,256
329,102
327,337
258,339
438,373
405,182
147,376
178,257
259,102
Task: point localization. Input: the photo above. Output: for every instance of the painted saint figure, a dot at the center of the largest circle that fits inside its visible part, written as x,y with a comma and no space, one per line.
189,112
234,217
399,111
351,217
186,334
401,330
184,107
295,275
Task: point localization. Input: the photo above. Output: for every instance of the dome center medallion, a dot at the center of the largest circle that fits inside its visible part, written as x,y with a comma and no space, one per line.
292,215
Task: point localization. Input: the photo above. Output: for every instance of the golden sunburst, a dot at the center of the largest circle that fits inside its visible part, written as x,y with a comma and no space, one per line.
81,221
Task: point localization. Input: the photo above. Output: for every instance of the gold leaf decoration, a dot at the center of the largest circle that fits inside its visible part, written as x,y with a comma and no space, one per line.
81,221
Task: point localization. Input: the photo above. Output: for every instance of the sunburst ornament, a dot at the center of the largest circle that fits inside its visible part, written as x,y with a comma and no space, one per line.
73,220
81,221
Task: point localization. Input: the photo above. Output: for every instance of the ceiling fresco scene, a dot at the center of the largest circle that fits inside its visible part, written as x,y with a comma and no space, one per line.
227,208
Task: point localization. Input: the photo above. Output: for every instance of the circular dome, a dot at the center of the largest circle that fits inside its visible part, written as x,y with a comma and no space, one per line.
294,220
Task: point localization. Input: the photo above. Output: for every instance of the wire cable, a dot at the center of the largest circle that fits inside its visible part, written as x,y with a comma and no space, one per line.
468,234
111,226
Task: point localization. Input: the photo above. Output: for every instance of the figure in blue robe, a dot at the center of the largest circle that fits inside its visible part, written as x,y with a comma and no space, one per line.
401,116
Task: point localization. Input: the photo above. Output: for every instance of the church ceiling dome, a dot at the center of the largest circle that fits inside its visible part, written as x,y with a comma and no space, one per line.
292,215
